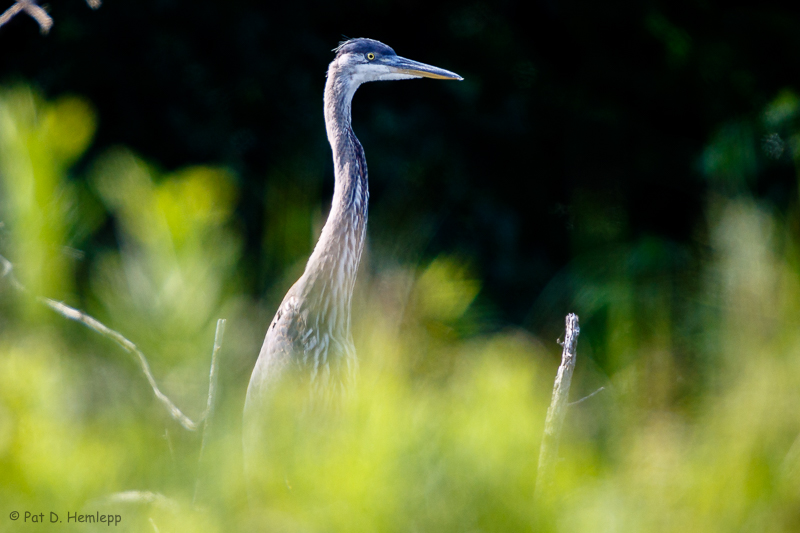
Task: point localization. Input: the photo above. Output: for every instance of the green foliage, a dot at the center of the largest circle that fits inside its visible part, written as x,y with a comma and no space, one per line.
697,429
177,253
443,292
38,142
676,42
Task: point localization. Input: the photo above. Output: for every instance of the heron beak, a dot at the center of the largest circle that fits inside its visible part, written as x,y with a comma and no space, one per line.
402,65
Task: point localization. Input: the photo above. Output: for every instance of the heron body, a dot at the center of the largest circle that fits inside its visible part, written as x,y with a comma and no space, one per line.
309,339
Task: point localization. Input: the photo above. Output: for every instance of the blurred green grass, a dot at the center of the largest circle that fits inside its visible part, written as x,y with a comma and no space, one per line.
698,349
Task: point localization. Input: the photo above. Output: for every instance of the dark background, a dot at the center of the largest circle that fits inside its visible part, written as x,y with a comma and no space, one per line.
574,143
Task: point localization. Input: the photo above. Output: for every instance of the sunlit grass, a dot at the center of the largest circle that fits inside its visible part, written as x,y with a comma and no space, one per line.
443,431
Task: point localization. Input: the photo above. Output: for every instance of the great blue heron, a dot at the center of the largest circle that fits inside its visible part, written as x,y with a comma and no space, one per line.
310,337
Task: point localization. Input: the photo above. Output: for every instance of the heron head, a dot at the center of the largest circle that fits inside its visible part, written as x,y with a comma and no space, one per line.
369,60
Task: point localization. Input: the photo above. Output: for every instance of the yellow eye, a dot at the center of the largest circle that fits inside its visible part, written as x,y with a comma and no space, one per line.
370,56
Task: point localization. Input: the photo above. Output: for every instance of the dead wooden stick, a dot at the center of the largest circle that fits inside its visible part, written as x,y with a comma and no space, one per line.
212,394
35,11
30,7
548,453
576,402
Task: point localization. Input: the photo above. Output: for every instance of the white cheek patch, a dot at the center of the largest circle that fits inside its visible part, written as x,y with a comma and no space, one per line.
378,72
398,76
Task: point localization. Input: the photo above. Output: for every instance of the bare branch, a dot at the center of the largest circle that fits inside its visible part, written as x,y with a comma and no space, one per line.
128,346
30,7
100,328
576,402
212,377
212,395
548,454
38,14
9,13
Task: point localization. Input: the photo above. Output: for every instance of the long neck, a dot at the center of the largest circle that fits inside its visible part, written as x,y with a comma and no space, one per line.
331,270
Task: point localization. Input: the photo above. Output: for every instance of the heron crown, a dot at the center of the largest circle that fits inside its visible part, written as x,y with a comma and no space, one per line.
363,46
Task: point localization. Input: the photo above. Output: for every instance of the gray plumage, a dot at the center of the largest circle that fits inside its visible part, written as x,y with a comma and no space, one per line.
310,337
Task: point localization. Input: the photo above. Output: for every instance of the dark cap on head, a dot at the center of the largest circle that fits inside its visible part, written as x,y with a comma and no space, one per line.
362,46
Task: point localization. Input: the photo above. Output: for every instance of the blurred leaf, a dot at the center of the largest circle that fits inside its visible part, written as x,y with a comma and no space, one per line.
444,290
194,199
38,141
677,42
730,160
177,251
782,109
67,128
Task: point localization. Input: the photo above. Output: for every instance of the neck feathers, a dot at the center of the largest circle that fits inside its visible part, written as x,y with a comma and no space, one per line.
332,268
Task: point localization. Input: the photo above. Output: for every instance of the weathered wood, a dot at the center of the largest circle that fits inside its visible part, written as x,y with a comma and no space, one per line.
548,453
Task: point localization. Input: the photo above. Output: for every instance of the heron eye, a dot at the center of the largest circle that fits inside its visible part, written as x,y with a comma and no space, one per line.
370,56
